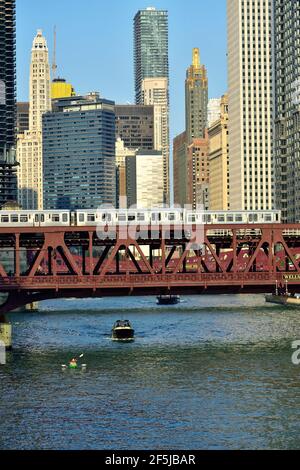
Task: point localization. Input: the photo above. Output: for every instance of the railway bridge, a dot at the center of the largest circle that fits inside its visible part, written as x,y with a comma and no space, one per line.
38,263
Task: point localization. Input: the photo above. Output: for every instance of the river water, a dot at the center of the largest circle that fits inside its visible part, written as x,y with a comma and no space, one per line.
213,372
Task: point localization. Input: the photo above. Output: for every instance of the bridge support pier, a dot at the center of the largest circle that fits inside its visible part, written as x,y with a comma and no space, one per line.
5,332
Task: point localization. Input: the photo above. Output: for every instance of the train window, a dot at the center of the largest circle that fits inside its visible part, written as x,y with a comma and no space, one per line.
43,218
239,218
23,218
221,218
55,218
268,218
131,217
171,216
155,216
91,217
36,217
229,218
81,217
4,218
65,217
208,218
122,217
140,216
14,218
191,218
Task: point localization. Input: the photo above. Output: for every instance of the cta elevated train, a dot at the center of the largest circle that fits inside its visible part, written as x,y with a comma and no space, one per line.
170,216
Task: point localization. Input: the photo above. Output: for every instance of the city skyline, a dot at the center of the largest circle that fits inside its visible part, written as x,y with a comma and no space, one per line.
187,29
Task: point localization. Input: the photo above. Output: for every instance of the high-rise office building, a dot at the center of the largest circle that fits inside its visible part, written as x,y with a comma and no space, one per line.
135,126
8,182
79,166
29,145
151,65
145,182
219,160
150,47
287,108
250,103
155,92
196,98
198,173
22,117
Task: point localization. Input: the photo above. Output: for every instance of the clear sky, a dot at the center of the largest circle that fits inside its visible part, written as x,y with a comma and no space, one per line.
95,45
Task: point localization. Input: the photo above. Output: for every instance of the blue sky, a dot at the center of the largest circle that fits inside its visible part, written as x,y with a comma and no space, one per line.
95,44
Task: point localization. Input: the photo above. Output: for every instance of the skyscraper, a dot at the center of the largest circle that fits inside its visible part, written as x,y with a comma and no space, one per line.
79,165
8,186
151,67
155,92
250,103
287,108
29,145
150,47
196,98
219,159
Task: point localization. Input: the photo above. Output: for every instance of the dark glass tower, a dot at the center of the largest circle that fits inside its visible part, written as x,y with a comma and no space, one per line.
8,180
287,108
150,47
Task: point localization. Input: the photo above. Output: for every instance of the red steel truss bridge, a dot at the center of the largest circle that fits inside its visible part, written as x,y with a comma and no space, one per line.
38,263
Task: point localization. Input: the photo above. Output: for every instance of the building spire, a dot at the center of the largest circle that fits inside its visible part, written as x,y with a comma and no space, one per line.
196,58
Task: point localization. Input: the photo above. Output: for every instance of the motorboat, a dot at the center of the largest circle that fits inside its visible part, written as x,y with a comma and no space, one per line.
122,331
167,299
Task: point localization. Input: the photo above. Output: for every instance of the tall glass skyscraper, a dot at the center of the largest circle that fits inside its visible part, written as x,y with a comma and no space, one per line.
150,47
8,183
287,108
152,76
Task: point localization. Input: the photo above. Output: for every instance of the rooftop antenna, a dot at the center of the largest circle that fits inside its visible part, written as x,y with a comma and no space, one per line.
54,65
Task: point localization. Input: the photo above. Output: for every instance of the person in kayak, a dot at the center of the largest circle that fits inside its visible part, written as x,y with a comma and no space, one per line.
73,363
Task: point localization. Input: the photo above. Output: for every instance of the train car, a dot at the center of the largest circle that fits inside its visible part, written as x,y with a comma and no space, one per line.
29,218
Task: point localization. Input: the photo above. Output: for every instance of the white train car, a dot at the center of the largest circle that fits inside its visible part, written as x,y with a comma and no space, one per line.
23,218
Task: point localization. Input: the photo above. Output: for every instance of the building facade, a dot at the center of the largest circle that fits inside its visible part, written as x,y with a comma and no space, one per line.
122,154
29,144
219,160
198,173
145,182
8,180
180,169
213,110
61,89
196,98
250,104
135,126
287,108
79,153
155,92
22,117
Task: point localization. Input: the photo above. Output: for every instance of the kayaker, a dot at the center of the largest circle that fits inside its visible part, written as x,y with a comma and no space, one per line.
73,363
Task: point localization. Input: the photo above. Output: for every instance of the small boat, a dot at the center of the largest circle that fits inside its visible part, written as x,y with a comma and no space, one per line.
283,296
167,299
122,331
283,299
